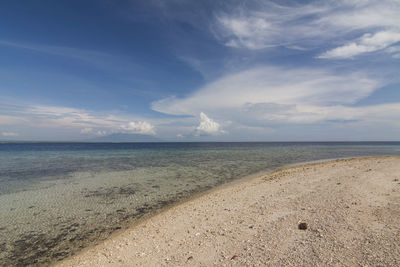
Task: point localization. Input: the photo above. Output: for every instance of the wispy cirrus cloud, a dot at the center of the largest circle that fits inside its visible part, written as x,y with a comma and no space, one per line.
94,58
365,44
357,27
266,24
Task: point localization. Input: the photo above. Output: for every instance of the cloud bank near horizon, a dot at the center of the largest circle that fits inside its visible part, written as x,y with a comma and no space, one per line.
71,120
271,96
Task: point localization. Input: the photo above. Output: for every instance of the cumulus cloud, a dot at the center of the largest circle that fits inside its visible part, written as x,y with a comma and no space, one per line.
208,126
10,134
86,130
101,133
98,132
139,127
367,43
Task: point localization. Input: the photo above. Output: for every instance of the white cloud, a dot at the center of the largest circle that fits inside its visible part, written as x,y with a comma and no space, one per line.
101,133
58,116
139,127
394,51
349,15
271,85
263,24
367,43
10,120
10,134
249,32
269,96
86,130
208,126
397,56
77,120
268,25
308,114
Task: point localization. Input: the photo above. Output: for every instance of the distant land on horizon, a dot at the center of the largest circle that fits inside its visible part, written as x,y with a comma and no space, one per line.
138,138
112,138
123,137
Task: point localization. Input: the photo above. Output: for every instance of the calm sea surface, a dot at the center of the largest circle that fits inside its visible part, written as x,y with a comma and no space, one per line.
57,198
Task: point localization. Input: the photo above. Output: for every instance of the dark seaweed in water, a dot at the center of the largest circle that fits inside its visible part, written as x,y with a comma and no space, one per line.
39,249
113,192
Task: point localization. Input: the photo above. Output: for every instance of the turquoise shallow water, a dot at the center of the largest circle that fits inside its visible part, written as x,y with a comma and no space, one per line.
57,198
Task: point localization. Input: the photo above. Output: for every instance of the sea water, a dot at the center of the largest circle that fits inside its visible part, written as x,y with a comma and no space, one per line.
57,198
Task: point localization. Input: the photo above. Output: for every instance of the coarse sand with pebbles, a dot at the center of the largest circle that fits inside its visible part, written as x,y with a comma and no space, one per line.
337,213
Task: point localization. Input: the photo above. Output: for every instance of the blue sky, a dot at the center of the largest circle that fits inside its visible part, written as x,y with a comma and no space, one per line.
200,70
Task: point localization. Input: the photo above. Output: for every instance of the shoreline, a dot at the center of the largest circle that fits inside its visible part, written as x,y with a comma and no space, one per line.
242,182
148,216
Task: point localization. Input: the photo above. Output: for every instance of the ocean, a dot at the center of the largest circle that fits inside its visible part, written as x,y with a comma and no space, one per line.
58,198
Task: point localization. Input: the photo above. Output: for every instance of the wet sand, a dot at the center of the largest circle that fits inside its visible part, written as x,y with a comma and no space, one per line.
351,208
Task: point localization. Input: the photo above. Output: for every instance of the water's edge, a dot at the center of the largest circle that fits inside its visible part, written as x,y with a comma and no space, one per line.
134,223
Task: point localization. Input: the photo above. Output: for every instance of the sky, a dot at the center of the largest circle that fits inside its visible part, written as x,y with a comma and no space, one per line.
210,70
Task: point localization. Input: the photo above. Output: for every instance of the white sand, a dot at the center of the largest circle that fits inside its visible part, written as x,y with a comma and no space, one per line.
352,208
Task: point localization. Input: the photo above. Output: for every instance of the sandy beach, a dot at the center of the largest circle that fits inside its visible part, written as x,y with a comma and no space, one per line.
351,208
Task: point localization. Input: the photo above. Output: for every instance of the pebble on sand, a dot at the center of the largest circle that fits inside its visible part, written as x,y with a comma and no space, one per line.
303,226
